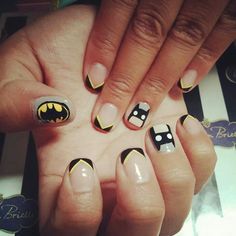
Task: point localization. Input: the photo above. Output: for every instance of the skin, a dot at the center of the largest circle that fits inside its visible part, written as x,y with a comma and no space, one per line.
46,58
147,46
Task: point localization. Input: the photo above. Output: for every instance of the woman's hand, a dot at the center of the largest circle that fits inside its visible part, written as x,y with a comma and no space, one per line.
135,182
142,48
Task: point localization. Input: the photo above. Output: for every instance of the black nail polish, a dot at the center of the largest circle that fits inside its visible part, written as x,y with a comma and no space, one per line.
139,114
162,138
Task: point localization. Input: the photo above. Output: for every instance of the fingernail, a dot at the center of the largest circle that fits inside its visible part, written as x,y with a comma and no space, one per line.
188,80
135,164
191,124
81,175
162,138
106,117
52,109
96,77
139,114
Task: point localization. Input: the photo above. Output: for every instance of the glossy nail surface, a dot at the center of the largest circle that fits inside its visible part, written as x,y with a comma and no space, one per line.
188,80
81,175
162,138
51,110
139,114
191,124
106,117
135,164
96,77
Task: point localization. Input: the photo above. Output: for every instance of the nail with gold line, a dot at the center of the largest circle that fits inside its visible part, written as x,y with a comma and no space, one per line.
81,173
135,165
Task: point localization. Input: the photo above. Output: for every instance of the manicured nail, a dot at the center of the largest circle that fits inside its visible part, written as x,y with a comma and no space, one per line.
187,81
135,164
52,109
96,77
191,124
106,117
139,114
162,138
81,174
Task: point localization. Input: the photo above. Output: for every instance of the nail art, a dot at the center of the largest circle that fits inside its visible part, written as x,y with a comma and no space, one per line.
129,152
96,77
94,87
135,165
81,174
162,138
52,110
187,81
139,114
185,117
106,117
75,162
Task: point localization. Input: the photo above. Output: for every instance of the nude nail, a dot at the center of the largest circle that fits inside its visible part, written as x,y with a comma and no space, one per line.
81,175
135,164
188,80
96,77
191,124
106,117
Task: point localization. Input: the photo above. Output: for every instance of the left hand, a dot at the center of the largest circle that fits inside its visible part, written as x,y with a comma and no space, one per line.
142,48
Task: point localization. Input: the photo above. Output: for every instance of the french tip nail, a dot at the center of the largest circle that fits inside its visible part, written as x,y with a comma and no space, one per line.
93,88
182,118
126,153
74,162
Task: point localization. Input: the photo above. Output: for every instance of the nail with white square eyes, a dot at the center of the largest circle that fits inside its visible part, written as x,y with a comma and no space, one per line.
139,114
162,138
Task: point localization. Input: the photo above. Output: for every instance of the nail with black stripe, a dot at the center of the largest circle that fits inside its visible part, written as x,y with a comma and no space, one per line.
81,173
135,165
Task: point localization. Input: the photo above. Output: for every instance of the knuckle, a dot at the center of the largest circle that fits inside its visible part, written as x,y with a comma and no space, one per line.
228,19
146,214
120,86
189,31
207,54
178,181
104,44
125,3
156,86
148,28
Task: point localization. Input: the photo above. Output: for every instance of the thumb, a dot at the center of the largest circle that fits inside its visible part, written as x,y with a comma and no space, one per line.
26,104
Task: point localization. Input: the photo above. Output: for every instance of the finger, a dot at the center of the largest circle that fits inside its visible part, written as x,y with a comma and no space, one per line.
110,25
223,34
140,207
174,175
194,22
30,104
78,208
198,148
144,37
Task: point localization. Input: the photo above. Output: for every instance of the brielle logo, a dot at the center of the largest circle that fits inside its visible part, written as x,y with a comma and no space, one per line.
222,132
17,212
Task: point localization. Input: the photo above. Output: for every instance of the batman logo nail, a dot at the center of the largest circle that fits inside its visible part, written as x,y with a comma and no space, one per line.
139,114
53,112
162,138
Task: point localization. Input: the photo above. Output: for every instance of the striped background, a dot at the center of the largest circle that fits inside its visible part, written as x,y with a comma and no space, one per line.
214,210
